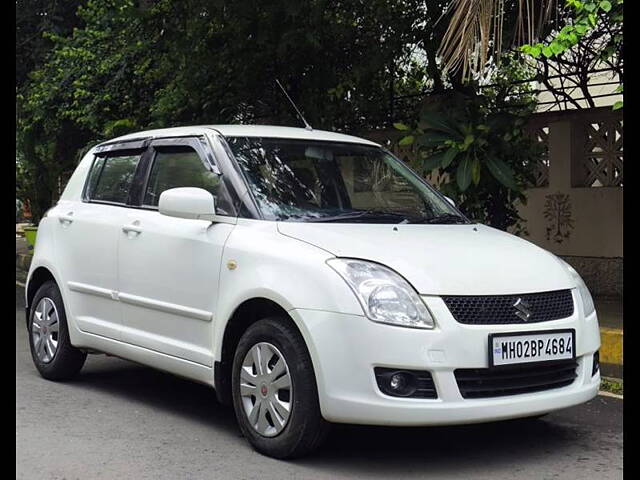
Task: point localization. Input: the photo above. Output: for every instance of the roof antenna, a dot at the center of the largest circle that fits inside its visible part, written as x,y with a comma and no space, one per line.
306,125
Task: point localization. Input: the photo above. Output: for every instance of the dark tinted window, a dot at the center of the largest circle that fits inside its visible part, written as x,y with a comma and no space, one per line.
178,167
110,178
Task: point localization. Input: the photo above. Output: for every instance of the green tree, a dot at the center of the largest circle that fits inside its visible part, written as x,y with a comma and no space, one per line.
591,38
133,65
89,87
578,36
34,18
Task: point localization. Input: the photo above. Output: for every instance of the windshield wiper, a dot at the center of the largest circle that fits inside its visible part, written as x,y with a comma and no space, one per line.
445,218
360,215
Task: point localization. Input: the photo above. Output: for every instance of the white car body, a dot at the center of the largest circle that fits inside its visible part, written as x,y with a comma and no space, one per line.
164,292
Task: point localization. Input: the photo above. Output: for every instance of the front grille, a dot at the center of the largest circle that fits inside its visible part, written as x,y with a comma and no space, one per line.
514,379
500,310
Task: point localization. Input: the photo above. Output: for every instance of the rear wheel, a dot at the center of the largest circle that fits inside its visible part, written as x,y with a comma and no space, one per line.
51,350
275,395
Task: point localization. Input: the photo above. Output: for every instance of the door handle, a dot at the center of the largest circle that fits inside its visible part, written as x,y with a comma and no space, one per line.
133,228
66,219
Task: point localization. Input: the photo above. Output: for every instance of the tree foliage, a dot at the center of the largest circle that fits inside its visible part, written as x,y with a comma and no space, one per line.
95,69
590,39
33,19
587,15
131,65
479,31
480,143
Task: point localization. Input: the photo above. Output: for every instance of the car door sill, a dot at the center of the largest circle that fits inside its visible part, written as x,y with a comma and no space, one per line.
149,357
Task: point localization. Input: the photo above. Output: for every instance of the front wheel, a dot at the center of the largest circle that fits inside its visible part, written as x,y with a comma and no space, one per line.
275,395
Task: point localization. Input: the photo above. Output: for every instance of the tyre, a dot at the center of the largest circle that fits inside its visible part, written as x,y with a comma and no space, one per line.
275,396
51,350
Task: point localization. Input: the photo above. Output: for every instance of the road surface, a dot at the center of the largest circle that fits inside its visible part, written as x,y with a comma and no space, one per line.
119,420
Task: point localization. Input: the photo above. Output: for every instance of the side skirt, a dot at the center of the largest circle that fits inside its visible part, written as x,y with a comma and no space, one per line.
151,358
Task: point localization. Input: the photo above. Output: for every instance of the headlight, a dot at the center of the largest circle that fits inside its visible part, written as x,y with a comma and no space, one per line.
385,296
587,301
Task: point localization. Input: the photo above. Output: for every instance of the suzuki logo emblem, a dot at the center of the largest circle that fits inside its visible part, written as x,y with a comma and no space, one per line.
522,309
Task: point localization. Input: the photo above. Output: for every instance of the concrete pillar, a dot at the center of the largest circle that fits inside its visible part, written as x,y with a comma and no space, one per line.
560,155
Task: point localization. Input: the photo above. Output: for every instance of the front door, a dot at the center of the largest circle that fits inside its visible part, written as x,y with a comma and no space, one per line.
169,267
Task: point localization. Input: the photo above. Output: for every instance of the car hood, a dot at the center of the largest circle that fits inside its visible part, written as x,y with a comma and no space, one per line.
442,259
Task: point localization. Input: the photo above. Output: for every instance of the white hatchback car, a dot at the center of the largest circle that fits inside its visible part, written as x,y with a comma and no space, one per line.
309,277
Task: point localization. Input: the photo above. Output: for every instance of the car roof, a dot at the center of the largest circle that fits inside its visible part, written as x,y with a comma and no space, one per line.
268,131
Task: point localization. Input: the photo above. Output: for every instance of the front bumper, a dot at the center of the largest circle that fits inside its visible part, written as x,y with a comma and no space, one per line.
346,348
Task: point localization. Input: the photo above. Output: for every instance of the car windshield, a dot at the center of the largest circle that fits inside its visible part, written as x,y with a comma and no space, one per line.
312,181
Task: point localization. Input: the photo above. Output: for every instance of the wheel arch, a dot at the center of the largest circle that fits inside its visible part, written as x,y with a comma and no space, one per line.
244,315
38,277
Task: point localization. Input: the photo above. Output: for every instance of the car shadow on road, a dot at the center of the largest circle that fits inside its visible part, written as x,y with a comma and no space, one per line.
469,448
160,390
350,449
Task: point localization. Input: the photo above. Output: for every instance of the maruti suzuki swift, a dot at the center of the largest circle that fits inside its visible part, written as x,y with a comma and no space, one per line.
310,278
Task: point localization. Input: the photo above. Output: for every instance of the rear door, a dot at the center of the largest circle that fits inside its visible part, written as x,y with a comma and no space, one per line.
169,267
86,239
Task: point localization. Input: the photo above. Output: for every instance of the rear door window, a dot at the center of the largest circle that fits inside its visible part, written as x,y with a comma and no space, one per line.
110,178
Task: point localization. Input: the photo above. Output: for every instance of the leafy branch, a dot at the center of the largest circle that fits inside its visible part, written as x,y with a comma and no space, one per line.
595,26
461,147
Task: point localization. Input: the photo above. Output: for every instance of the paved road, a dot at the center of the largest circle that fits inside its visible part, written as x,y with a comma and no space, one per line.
119,420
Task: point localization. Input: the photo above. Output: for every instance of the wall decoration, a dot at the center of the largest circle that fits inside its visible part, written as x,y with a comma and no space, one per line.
557,211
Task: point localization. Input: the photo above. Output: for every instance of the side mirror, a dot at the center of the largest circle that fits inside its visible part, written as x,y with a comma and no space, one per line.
448,200
188,202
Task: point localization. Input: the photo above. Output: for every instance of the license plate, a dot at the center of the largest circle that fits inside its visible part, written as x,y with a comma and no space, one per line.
530,347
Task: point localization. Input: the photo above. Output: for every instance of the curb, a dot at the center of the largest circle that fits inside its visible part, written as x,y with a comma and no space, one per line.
611,387
611,345
609,394
611,341
23,261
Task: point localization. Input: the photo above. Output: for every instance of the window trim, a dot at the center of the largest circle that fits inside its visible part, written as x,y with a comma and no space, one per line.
107,148
199,144
235,181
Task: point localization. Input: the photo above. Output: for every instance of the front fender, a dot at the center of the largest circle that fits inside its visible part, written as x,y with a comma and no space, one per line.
259,262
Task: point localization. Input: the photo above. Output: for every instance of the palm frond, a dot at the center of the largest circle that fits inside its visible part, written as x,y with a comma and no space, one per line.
476,30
